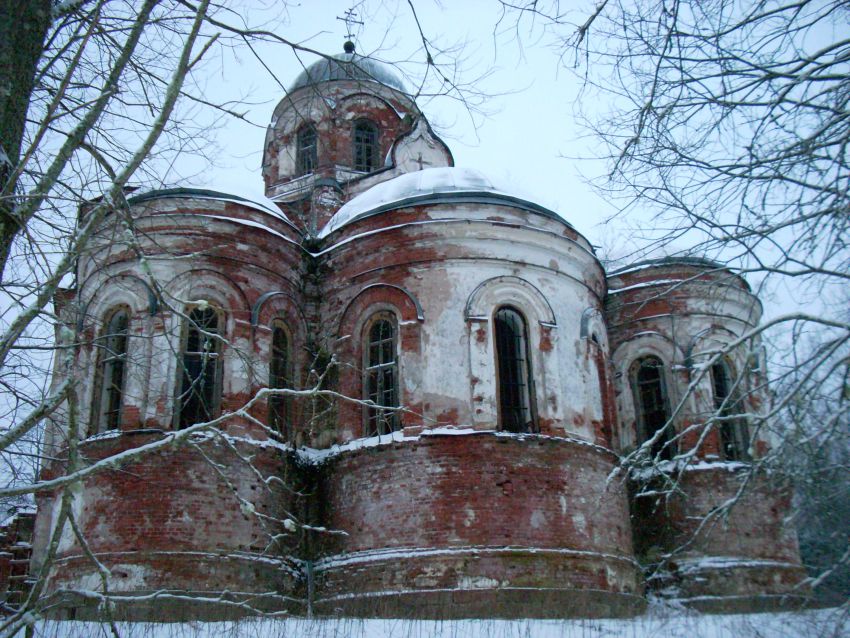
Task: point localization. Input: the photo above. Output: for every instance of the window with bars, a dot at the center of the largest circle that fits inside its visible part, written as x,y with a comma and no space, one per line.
515,384
734,432
307,151
110,373
200,387
280,377
366,149
651,405
381,378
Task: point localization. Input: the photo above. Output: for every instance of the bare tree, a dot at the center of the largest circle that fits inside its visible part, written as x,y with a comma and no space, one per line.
726,132
76,127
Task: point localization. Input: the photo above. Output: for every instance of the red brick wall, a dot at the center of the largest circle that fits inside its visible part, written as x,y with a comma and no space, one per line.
748,551
458,501
172,520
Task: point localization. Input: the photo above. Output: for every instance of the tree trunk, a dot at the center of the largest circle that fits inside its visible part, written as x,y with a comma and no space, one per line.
23,27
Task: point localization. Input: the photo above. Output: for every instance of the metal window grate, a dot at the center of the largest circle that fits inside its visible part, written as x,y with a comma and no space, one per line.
279,377
381,379
306,156
652,405
514,373
365,146
734,432
201,365
109,397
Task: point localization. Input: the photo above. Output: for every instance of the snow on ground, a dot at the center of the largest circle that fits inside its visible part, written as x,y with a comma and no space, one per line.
659,622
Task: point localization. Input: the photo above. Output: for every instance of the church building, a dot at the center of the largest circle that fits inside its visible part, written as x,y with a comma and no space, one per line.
421,385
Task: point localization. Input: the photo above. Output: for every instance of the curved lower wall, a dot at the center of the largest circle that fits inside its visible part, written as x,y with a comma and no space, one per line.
437,526
746,560
195,520
476,525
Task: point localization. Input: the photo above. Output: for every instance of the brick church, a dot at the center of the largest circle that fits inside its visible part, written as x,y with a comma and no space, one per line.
422,384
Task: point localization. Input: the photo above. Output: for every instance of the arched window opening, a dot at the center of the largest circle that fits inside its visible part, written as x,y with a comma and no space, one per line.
366,149
513,366
381,383
280,377
306,156
734,433
651,405
110,373
200,388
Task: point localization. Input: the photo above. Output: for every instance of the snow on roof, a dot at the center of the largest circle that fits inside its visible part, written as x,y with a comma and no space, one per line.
684,260
432,186
699,263
250,199
648,284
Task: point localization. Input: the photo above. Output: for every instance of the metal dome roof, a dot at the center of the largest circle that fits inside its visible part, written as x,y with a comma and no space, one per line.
349,66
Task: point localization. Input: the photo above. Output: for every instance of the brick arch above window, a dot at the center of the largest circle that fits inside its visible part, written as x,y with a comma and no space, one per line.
709,342
210,286
407,305
519,292
286,122
360,103
115,290
647,343
279,304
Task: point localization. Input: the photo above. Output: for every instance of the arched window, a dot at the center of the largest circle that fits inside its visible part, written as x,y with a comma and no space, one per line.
513,364
366,149
734,433
306,155
200,387
280,377
110,373
651,404
381,378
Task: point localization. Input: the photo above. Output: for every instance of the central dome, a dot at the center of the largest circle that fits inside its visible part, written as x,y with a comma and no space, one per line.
349,66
